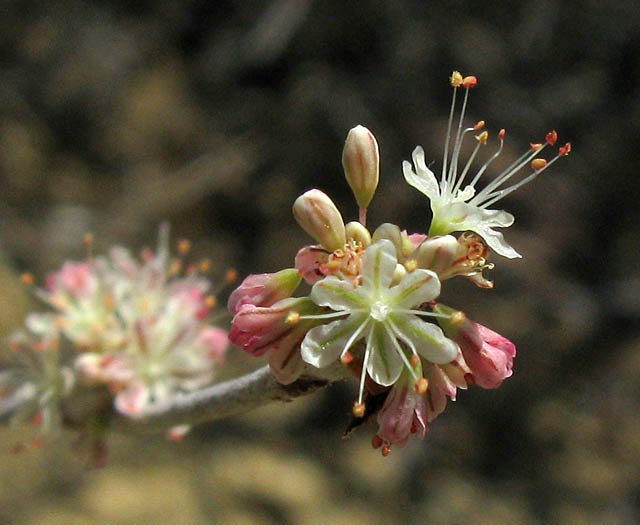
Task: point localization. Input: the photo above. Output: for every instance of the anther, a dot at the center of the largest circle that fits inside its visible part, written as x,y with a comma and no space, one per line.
88,239
292,317
411,265
551,137
358,409
456,79
479,125
210,301
346,358
385,450
184,246
27,278
564,150
469,82
502,133
535,146
458,317
421,385
205,265
415,360
538,164
231,275
376,441
483,137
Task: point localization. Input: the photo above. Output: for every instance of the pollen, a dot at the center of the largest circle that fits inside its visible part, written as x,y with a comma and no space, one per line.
456,79
358,409
293,317
184,245
551,137
564,150
469,82
483,137
27,278
538,164
421,385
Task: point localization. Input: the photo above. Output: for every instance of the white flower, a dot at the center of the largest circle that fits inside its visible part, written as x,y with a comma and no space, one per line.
460,208
382,314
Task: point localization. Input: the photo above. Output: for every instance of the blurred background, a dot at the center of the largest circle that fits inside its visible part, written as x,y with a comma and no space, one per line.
215,115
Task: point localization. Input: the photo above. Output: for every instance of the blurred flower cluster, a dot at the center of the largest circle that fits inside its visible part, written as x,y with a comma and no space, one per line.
135,330
373,304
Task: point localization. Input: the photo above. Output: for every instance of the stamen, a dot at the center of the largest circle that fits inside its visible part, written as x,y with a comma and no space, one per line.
358,409
493,157
482,140
354,337
421,385
453,168
401,353
551,138
538,164
469,82
449,124
330,315
365,362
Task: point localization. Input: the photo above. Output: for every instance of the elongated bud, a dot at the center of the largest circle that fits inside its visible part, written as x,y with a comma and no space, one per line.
264,289
361,163
319,217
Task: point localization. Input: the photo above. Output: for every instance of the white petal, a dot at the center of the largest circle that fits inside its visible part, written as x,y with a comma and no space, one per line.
323,344
385,365
495,241
426,338
417,287
378,265
337,294
423,178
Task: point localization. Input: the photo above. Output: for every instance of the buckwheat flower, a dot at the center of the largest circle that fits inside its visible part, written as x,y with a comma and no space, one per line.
455,204
33,378
383,313
488,355
264,289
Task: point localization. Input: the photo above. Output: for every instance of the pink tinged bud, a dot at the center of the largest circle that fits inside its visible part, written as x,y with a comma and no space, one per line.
318,216
258,329
361,163
264,289
488,354
404,413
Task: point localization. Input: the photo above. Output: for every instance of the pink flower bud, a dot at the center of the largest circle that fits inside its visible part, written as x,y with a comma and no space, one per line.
264,289
361,162
488,354
404,413
318,216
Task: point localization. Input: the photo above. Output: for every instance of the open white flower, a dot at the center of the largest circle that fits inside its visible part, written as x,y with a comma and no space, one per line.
460,208
385,315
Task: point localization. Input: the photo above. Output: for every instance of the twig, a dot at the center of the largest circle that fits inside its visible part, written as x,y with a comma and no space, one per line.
233,397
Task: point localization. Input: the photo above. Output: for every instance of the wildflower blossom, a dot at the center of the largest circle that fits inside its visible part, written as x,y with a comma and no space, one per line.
384,314
455,204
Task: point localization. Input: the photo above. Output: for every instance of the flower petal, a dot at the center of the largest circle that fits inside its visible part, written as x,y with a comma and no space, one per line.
417,287
495,241
423,178
378,265
426,338
324,344
384,365
337,294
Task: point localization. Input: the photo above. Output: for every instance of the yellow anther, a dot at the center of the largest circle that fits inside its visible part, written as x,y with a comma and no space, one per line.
184,245
293,317
456,79
483,137
358,409
411,265
538,164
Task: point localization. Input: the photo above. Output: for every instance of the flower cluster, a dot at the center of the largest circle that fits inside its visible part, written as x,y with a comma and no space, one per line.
373,304
136,329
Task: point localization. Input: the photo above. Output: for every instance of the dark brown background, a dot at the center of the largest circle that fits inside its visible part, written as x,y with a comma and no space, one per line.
113,118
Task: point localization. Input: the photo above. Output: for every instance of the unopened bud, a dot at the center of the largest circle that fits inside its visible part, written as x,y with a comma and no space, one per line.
361,163
357,232
318,216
